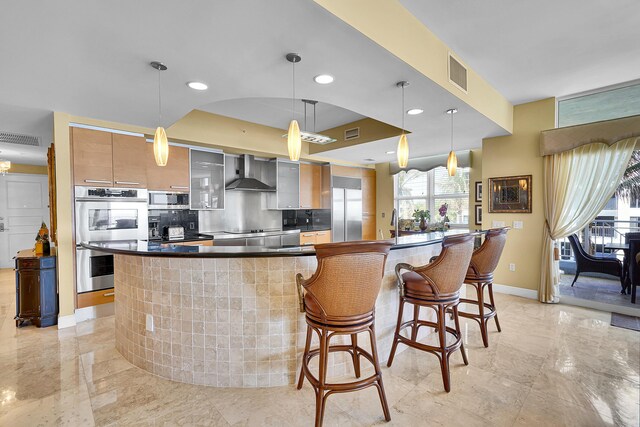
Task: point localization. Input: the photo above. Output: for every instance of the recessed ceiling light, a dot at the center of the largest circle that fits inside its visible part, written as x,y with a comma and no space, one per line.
197,85
323,79
415,111
390,152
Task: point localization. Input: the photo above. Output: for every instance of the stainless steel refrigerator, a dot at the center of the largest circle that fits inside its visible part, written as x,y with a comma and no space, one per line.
347,209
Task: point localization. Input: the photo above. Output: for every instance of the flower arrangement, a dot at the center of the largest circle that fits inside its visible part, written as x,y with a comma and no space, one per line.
420,214
443,210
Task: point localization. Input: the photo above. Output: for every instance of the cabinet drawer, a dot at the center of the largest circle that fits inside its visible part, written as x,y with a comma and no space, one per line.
307,239
323,237
89,299
196,243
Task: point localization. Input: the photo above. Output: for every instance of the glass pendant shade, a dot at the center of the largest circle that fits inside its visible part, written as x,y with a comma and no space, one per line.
403,151
161,147
452,163
5,165
294,141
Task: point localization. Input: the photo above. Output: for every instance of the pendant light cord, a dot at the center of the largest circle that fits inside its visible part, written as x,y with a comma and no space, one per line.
403,107
452,131
159,101
293,99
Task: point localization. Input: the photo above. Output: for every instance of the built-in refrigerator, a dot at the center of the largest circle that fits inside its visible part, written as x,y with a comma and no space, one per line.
347,209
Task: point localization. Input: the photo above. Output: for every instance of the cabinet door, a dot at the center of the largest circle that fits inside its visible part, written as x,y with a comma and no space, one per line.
172,177
129,162
369,192
89,299
368,227
306,186
288,185
29,282
92,157
48,292
207,180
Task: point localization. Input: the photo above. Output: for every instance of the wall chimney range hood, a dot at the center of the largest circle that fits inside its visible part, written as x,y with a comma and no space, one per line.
247,181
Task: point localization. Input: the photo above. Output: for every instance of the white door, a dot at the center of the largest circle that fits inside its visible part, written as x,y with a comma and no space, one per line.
24,201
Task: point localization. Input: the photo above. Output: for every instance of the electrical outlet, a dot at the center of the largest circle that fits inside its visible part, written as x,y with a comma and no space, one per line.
512,267
149,323
517,225
382,215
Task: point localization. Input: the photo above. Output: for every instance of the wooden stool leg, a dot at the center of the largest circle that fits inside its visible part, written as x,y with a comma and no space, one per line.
483,321
414,328
304,357
355,355
444,360
376,365
493,304
322,376
457,320
396,334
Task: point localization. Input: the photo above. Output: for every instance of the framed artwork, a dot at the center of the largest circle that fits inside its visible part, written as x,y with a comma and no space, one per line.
478,214
478,191
510,194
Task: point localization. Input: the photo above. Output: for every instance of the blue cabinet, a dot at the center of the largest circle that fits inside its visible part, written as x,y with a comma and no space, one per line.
36,289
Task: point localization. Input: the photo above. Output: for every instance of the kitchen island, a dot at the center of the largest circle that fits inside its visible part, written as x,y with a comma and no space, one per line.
229,316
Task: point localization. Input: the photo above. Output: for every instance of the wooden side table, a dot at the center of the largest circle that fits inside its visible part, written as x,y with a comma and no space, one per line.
36,289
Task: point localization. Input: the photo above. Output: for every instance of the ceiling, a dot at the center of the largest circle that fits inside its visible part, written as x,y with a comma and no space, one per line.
94,60
275,112
529,50
26,121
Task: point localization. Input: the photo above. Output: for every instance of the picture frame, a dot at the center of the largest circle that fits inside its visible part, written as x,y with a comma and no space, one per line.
510,194
478,191
478,214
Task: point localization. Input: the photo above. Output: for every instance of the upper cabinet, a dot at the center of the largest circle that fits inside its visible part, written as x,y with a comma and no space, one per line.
128,169
369,204
310,186
173,177
92,157
287,195
207,180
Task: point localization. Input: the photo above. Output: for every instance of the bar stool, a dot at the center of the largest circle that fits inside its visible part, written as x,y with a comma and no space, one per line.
339,299
480,275
435,285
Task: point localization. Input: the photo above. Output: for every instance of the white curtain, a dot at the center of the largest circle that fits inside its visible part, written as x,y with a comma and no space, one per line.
578,184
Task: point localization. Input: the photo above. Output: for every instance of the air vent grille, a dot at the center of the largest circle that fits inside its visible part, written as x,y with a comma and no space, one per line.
457,73
352,133
16,138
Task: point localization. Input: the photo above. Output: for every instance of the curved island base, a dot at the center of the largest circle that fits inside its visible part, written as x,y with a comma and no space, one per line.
230,321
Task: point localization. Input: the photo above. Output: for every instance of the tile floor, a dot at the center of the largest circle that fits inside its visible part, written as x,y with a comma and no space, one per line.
551,365
595,289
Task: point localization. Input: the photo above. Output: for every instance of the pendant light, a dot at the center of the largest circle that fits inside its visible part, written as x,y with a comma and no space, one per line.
5,165
294,140
403,143
452,160
160,142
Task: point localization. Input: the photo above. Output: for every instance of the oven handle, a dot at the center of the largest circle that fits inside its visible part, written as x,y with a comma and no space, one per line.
110,199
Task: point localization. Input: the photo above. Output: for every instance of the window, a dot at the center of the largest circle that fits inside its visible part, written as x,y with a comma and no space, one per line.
429,190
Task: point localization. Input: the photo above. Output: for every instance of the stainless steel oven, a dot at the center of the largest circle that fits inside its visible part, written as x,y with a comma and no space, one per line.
104,214
165,200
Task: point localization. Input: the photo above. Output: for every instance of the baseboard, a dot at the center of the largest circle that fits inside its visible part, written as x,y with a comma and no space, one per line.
513,290
602,306
66,321
94,312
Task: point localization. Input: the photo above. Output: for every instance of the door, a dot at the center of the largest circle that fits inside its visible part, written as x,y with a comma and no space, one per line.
128,161
338,225
172,177
353,214
24,202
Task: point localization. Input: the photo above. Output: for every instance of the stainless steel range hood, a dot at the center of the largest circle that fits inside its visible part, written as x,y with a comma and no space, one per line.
247,180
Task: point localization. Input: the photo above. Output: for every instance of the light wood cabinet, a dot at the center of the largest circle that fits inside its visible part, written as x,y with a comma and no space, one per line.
172,177
308,238
368,227
129,169
89,299
310,186
196,243
92,157
369,204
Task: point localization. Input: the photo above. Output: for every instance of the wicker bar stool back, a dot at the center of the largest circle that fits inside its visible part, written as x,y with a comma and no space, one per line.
339,299
435,285
480,275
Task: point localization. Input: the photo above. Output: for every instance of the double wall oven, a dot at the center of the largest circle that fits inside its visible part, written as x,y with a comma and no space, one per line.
105,214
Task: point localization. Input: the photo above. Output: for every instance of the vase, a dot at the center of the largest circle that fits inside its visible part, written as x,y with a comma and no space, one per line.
423,224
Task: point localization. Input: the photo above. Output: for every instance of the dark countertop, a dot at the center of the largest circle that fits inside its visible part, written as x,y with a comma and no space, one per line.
186,239
157,249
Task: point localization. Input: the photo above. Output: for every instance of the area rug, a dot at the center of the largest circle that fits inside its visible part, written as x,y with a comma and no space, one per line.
624,321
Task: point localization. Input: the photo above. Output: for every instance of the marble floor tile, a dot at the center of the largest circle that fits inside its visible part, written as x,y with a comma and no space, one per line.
551,365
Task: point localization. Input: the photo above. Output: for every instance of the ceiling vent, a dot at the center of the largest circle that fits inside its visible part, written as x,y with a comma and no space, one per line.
353,133
16,138
457,73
